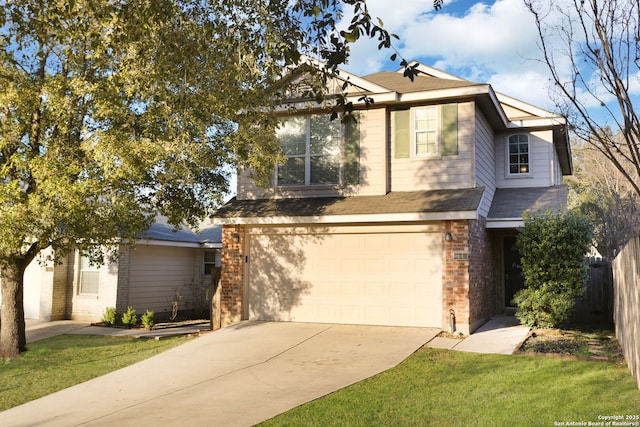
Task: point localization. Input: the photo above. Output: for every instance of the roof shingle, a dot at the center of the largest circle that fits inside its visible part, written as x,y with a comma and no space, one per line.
391,203
513,202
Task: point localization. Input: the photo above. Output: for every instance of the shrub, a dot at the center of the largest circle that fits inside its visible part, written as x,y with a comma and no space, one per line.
148,319
110,316
129,318
553,248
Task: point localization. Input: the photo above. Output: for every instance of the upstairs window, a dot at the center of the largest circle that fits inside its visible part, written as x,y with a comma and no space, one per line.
319,151
519,154
430,131
426,131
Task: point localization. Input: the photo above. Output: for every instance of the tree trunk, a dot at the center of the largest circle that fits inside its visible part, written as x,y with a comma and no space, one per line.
13,339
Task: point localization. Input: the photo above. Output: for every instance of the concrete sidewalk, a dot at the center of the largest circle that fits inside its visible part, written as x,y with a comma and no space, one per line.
500,335
37,330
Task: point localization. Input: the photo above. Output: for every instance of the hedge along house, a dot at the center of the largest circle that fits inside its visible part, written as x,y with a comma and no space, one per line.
405,218
164,267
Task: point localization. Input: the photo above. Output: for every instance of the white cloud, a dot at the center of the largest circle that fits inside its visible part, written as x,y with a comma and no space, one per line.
485,43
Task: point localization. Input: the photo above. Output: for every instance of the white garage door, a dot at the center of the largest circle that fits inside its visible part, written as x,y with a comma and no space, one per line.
358,275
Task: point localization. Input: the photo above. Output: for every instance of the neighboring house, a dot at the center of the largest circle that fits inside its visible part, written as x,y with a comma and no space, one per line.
404,219
164,266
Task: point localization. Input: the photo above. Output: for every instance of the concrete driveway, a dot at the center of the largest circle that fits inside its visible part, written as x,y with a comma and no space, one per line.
237,376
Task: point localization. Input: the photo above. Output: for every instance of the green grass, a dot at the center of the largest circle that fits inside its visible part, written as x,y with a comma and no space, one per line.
447,388
60,362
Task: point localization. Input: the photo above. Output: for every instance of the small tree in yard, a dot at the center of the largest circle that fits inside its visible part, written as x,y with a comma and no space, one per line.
553,247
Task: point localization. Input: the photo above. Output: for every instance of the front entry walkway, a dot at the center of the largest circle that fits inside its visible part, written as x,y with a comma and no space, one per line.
500,335
237,376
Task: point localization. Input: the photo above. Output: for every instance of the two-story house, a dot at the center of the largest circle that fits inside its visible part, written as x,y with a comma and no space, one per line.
406,218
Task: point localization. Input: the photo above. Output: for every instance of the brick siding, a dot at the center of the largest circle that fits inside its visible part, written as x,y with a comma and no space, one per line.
468,276
483,289
232,276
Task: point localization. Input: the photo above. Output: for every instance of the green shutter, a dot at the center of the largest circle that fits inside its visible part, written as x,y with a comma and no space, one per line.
449,129
352,151
401,140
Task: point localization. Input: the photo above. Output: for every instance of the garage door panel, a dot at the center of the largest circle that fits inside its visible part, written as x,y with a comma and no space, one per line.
364,278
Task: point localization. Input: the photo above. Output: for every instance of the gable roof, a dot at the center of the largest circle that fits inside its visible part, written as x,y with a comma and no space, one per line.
413,205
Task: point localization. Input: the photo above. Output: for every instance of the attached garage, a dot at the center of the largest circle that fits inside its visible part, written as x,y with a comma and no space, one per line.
367,274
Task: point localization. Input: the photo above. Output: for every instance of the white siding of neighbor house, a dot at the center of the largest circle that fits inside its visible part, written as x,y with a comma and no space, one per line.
35,278
91,307
437,173
157,275
373,175
485,160
38,277
542,157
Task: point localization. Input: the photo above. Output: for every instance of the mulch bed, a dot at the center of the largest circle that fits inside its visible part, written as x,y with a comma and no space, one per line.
598,345
160,325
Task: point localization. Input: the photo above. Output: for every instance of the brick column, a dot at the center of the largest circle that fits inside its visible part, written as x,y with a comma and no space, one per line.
483,288
232,275
455,275
468,276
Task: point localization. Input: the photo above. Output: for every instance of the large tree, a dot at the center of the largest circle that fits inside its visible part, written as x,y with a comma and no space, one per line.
592,49
603,194
112,111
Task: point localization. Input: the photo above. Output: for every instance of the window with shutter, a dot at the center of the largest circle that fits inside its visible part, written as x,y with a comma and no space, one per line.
430,131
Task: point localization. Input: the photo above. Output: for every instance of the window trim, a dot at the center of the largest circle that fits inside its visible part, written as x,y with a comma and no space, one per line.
529,172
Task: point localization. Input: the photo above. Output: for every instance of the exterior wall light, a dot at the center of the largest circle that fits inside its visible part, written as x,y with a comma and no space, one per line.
236,237
448,237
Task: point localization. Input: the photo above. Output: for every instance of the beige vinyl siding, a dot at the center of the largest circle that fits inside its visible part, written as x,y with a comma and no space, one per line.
557,171
441,172
157,273
375,275
542,161
373,167
485,160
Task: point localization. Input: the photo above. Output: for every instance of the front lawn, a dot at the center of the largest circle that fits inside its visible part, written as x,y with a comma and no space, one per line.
56,363
447,388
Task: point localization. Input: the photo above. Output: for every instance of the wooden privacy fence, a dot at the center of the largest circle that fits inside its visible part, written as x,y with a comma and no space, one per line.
597,302
626,274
